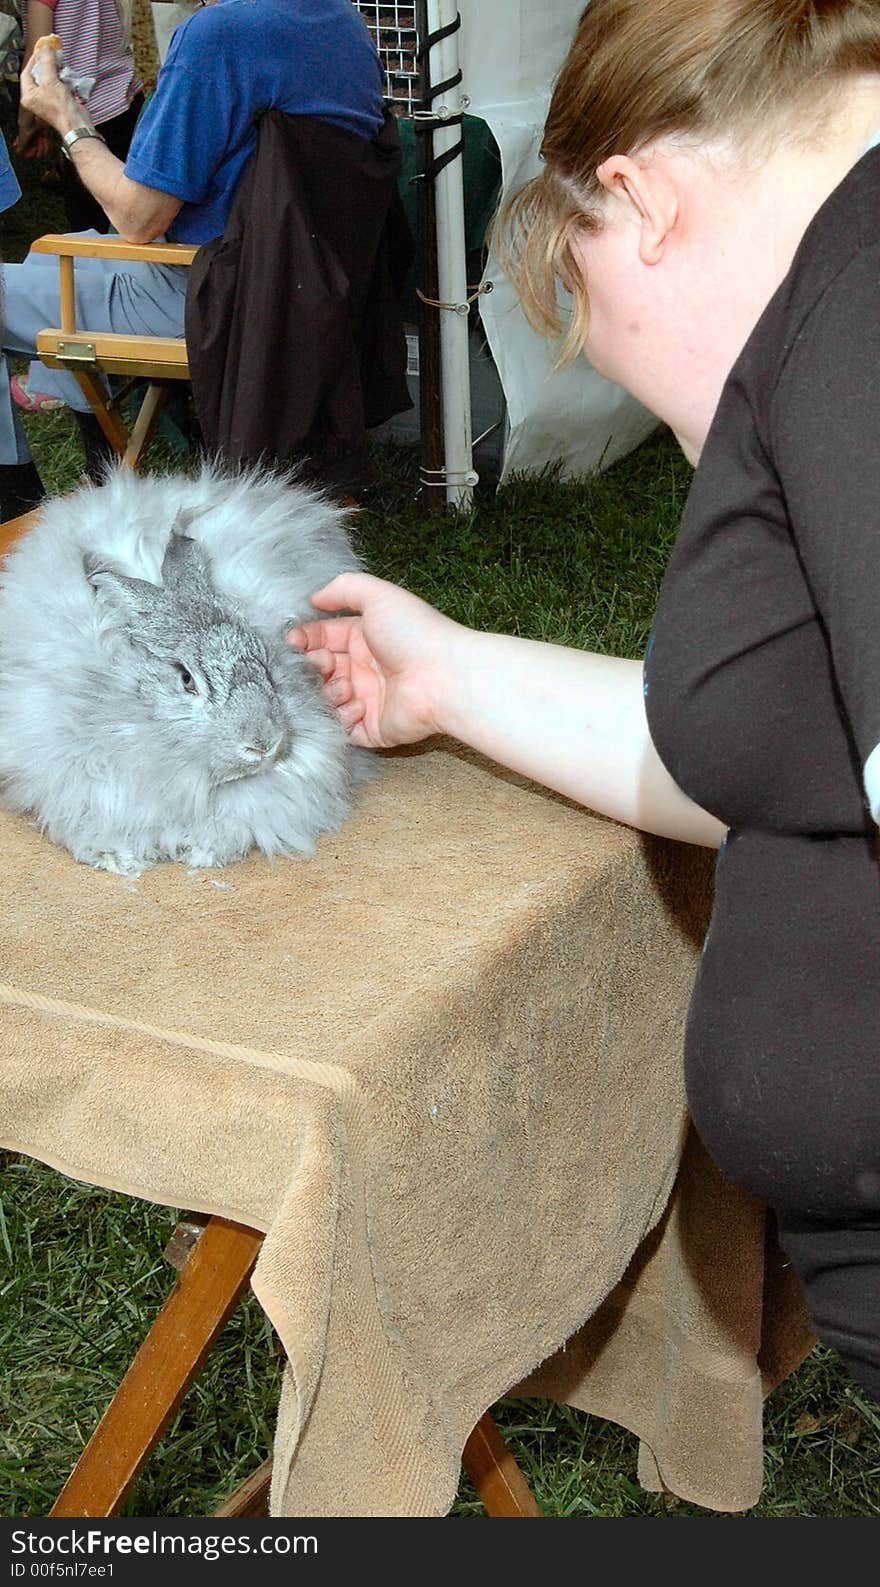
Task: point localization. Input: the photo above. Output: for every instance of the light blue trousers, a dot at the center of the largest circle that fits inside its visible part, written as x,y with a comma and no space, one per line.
143,299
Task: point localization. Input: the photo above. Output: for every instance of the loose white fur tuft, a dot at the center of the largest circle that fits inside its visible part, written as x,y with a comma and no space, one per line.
149,707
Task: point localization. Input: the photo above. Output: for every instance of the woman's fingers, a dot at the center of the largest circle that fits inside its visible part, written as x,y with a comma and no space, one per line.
347,590
328,662
315,637
338,691
306,636
351,714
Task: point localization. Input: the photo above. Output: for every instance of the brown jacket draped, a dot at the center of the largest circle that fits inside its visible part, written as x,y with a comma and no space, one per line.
294,326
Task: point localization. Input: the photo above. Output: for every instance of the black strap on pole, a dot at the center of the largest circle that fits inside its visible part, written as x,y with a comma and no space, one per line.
432,491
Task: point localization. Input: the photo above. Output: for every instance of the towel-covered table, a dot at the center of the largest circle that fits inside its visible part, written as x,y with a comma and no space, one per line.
440,1066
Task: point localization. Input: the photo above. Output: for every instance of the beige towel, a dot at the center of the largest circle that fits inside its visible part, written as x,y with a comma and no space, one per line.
441,1065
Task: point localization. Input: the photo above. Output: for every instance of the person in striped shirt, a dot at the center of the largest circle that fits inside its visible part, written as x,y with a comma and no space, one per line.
98,55
96,47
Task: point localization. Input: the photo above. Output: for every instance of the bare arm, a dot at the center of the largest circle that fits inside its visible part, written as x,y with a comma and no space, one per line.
38,22
138,213
574,721
398,671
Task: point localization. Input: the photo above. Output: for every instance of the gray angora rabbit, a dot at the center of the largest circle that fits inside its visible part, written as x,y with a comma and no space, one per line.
149,707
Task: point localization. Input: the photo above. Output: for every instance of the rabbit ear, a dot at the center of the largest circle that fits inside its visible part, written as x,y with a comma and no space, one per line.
134,596
185,567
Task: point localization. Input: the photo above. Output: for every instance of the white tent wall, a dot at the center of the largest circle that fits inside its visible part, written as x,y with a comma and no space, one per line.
511,52
167,15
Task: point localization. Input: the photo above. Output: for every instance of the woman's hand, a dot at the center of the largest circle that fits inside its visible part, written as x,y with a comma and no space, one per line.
385,668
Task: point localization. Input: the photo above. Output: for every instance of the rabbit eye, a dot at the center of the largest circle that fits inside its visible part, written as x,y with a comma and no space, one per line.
188,681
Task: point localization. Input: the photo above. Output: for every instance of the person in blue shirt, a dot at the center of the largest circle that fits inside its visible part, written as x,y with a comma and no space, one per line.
10,192
227,64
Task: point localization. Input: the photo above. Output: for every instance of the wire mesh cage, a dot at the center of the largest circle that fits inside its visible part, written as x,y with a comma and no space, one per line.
393,26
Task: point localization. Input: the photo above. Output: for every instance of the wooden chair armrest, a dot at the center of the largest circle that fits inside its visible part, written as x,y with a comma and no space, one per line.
67,248
180,253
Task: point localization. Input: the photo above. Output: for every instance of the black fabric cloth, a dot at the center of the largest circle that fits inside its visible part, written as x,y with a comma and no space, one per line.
763,698
21,490
294,324
99,453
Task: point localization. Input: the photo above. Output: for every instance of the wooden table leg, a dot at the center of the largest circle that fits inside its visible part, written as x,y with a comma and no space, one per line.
252,1495
500,1484
207,1292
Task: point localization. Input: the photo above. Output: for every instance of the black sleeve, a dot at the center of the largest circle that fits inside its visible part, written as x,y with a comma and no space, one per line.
825,442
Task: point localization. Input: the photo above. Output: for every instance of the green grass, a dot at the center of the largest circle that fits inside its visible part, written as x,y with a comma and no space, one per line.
80,1270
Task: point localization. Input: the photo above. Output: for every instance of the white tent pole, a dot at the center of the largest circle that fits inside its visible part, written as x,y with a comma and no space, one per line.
451,266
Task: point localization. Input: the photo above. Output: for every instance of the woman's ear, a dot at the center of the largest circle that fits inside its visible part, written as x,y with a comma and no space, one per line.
648,193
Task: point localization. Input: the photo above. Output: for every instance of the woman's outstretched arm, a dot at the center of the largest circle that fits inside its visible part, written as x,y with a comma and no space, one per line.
398,671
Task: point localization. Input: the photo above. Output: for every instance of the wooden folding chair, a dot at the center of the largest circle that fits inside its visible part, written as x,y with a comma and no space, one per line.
160,360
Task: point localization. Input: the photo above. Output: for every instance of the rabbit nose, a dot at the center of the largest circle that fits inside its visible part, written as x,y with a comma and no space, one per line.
262,749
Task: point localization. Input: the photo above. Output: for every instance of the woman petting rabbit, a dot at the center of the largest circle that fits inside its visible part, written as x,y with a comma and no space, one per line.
711,198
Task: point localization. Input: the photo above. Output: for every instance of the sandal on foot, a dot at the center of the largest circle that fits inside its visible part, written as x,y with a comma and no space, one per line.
32,401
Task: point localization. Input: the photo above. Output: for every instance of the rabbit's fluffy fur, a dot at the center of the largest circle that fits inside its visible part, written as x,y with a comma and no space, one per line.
149,707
